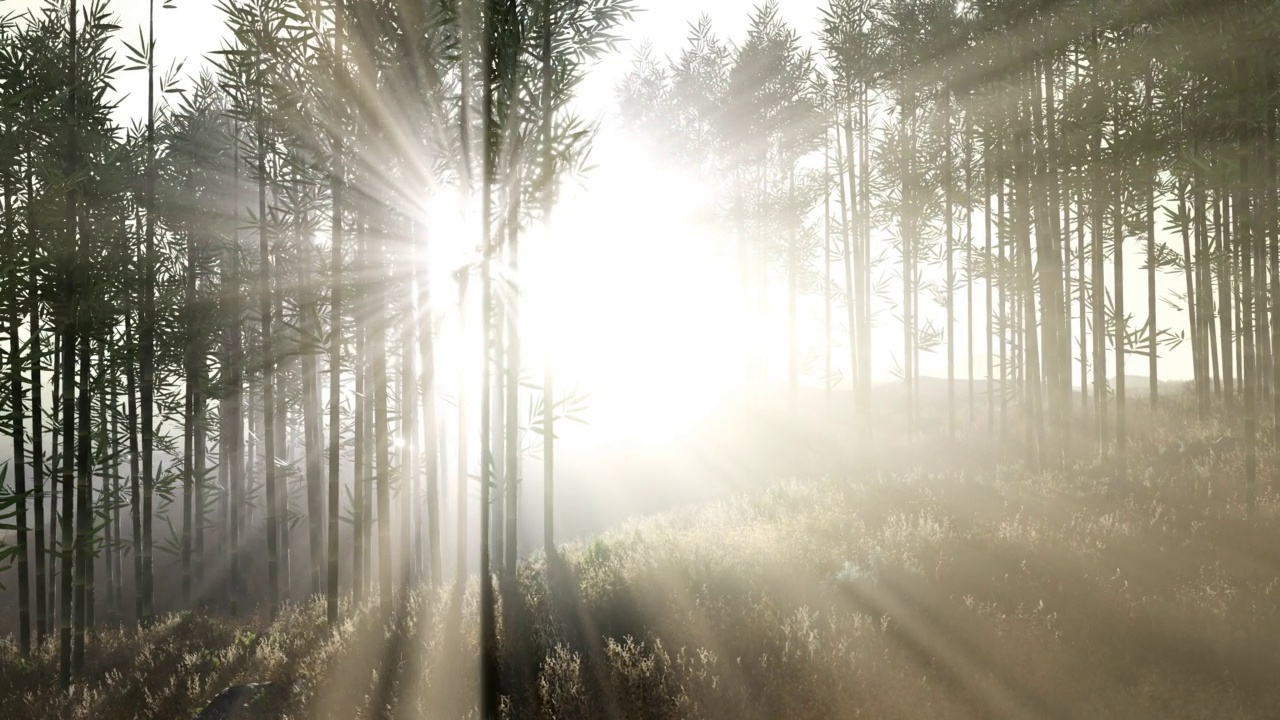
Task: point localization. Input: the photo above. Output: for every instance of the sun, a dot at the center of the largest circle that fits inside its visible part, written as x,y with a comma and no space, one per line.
630,295
637,300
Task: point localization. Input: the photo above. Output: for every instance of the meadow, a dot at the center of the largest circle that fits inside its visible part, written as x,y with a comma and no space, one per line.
951,587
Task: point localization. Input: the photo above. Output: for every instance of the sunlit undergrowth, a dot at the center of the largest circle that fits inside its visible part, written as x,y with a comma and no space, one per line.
1003,593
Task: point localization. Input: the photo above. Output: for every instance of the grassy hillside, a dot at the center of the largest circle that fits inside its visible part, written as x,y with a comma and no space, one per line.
911,594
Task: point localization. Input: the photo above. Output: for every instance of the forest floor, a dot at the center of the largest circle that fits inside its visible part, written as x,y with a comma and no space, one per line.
991,592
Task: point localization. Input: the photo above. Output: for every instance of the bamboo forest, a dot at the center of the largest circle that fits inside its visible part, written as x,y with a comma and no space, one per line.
639,359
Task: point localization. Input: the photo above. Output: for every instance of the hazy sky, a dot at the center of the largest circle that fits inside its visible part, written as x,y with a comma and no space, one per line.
194,28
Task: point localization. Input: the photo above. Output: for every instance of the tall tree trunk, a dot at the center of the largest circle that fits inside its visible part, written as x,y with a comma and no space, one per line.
70,548
67,546
284,378
512,452
360,452
1204,285
865,220
382,422
1225,323
190,353
313,450
968,261
1272,172
548,386
1060,267
37,432
793,302
1152,358
1118,320
497,402
43,599
1047,372
115,452
1188,265
463,464
135,495
410,491
948,219
845,159
337,179
1082,298
87,514
105,442
989,284
1097,293
827,369
1244,216
906,233
17,406
489,690
147,353
232,420
84,541
1029,338
430,436
269,414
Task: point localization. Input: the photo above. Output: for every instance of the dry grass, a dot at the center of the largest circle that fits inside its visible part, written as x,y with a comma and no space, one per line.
968,594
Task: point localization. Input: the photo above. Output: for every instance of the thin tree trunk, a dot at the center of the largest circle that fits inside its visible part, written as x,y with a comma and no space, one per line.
115,453
430,437
489,689
1097,292
146,360
17,431
497,402
1002,244
336,182
1272,160
1244,216
1081,299
43,600
313,450
359,528
864,194
67,546
512,423
906,231
70,547
1152,358
269,416
948,220
1029,338
200,447
382,432
410,492
84,541
105,442
968,260
989,285
1225,323
1117,253
845,158
135,507
463,481
232,421
190,353
827,377
548,387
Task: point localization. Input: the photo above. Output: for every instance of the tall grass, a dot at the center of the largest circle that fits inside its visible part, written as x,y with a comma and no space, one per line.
909,594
